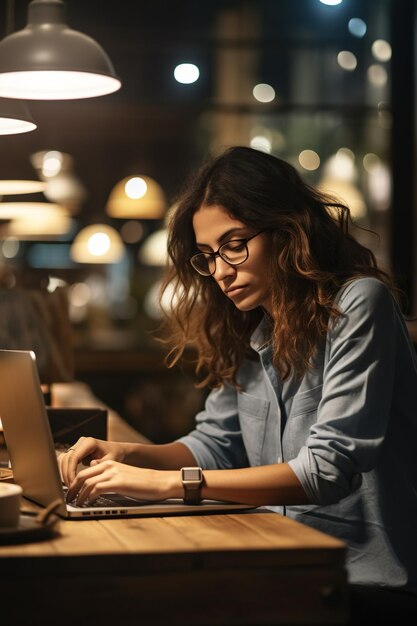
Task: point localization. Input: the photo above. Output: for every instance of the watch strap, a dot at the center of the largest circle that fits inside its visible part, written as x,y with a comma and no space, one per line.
192,495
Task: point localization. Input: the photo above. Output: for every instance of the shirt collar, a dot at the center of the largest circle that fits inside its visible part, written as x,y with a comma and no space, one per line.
262,334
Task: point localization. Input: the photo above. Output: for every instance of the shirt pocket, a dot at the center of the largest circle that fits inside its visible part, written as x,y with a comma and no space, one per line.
253,412
302,416
306,401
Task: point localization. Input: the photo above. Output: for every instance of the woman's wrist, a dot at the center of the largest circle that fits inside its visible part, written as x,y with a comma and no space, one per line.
171,483
131,453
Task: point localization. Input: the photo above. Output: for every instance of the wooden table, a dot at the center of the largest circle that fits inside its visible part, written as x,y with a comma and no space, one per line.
251,568
248,569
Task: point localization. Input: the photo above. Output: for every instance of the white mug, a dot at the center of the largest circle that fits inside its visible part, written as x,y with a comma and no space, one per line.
10,499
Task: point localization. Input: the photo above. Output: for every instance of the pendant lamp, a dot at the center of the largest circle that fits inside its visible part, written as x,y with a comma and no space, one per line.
21,187
136,197
15,117
40,226
15,210
97,243
47,60
154,249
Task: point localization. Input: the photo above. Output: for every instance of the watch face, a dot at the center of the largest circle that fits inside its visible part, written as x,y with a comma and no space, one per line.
192,480
191,473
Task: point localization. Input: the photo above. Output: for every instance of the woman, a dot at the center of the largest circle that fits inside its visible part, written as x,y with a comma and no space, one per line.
313,407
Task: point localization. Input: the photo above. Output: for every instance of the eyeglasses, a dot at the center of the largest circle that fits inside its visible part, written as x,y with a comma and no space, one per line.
233,252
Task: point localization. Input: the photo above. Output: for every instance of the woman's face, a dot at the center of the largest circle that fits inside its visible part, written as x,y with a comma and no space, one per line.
246,285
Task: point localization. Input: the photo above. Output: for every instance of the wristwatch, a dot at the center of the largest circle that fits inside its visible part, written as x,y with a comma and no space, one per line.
192,481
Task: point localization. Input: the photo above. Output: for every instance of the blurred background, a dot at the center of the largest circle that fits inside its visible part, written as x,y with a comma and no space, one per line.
328,86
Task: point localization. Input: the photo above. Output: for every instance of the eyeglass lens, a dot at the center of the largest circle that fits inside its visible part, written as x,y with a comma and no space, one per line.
233,252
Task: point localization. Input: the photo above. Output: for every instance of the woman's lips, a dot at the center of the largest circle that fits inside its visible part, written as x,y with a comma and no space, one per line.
235,291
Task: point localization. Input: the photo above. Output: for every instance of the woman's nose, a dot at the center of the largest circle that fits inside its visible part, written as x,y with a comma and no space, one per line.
223,269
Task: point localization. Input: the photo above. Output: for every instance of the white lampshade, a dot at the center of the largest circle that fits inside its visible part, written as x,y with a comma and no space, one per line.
40,226
33,220
15,117
15,210
97,243
16,187
136,197
49,61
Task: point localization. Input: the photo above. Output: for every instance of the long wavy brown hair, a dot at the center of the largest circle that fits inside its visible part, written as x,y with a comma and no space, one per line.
315,255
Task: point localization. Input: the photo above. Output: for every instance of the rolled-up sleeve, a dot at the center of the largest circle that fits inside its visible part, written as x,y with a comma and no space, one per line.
354,410
216,442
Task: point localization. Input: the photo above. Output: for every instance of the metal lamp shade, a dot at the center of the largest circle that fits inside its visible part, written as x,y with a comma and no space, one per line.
15,117
49,61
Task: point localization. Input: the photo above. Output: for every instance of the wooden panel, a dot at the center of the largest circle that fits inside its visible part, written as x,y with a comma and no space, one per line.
220,538
251,569
255,597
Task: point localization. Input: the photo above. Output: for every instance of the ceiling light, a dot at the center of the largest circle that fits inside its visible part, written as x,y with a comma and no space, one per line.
40,226
186,73
49,61
97,243
264,92
62,186
16,187
49,163
154,250
15,117
136,197
14,210
67,190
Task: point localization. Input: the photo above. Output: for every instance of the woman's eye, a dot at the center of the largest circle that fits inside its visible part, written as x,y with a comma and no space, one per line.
235,246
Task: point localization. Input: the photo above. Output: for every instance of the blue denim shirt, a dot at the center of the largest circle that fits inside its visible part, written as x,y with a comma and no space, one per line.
348,429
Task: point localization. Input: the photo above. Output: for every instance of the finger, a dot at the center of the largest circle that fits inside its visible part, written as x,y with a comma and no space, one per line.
60,460
69,465
98,489
94,486
79,485
91,489
74,455
106,457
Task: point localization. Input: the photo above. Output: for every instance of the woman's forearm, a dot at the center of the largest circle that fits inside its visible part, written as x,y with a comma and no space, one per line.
265,485
169,456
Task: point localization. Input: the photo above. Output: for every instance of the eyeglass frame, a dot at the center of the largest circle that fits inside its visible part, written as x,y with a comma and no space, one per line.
244,240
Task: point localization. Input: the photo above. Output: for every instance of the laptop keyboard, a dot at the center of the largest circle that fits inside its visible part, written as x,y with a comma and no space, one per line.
106,501
101,502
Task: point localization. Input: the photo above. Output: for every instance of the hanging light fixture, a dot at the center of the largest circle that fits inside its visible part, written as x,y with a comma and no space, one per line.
62,185
15,117
136,197
97,243
15,210
49,61
154,250
40,226
17,187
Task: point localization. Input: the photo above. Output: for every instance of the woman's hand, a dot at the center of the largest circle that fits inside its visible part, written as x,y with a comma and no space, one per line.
88,451
105,475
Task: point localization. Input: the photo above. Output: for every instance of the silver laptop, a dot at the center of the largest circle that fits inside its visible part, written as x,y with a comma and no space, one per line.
33,456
